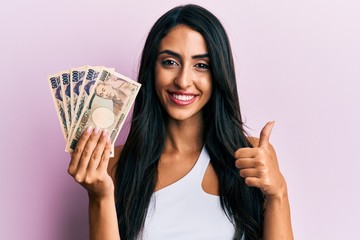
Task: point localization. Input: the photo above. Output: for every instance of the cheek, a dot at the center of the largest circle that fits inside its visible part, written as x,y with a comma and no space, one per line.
206,86
209,86
161,80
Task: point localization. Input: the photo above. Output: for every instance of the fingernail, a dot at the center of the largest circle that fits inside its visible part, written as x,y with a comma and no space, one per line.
104,133
108,139
89,128
96,130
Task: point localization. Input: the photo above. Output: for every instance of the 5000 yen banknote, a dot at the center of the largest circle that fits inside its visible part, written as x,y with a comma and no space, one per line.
77,76
91,75
55,87
107,106
65,88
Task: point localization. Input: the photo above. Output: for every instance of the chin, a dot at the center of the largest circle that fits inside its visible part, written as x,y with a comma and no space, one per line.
183,115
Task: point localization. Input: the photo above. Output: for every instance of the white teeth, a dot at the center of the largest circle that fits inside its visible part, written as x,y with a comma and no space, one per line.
183,97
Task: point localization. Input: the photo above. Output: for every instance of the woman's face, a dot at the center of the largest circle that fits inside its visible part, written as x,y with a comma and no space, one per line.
182,73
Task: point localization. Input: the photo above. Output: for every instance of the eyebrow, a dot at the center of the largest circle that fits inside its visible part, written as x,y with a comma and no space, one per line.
205,55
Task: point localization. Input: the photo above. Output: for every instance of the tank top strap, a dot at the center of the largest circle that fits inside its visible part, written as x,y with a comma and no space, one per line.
198,171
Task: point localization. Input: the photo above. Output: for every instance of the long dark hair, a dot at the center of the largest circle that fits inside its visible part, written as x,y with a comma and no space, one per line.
136,172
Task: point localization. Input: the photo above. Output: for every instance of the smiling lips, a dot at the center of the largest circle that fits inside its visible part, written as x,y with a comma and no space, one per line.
182,98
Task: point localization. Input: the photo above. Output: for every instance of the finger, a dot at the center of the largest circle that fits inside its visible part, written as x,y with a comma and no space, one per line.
248,172
104,163
98,152
253,182
245,163
87,153
265,134
245,153
76,154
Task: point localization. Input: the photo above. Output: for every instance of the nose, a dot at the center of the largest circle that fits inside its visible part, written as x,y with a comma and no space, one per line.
184,78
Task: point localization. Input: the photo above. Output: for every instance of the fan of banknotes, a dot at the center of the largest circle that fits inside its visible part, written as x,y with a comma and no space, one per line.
91,96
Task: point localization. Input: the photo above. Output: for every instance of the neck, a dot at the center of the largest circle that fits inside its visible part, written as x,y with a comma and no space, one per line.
185,136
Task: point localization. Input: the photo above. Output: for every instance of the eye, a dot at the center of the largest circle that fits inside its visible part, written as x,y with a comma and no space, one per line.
169,62
202,66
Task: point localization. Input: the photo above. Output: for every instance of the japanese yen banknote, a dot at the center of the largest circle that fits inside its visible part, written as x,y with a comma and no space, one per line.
91,97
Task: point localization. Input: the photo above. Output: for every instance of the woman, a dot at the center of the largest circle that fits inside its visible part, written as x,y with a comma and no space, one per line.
187,169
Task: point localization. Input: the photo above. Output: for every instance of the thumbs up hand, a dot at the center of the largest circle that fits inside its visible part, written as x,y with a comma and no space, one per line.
259,165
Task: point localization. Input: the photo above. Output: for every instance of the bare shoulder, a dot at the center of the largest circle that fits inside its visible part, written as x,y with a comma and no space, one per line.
114,160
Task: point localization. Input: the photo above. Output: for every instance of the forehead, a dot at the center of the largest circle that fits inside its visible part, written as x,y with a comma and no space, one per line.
184,40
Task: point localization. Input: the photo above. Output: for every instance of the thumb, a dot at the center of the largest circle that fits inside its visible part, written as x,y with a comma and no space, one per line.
265,134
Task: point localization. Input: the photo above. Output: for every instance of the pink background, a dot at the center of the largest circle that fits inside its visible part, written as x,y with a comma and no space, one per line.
298,63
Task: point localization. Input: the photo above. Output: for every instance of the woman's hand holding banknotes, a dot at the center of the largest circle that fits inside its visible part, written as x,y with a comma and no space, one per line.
89,163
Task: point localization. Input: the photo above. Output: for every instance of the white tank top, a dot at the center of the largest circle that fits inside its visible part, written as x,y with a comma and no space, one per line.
183,210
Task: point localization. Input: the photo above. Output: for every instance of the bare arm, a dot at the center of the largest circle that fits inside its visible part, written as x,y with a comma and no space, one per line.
259,167
277,220
103,219
89,166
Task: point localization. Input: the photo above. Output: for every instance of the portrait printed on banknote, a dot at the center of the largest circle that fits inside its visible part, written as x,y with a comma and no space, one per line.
115,89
